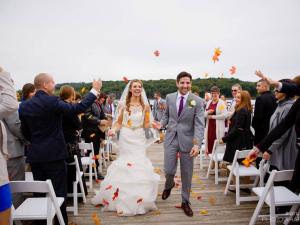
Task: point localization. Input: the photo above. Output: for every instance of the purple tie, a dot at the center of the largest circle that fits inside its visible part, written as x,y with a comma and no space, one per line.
180,105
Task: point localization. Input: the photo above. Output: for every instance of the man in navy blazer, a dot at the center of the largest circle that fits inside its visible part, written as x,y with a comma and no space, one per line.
41,123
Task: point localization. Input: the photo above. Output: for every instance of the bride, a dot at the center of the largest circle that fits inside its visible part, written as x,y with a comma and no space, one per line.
130,186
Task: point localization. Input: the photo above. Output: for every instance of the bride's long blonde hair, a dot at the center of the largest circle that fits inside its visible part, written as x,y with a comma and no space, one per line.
129,95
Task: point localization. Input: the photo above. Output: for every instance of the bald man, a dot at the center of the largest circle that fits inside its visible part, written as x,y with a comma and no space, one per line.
41,118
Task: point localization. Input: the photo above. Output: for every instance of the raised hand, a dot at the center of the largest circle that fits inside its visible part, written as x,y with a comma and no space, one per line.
262,76
97,84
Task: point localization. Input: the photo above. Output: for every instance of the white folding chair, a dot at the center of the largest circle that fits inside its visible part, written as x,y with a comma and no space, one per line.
89,161
44,208
238,171
202,155
215,157
275,196
29,176
75,193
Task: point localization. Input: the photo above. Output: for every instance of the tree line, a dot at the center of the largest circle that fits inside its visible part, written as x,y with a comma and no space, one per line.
166,86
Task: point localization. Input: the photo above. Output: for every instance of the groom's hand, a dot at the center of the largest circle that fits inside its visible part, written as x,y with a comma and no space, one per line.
195,151
156,125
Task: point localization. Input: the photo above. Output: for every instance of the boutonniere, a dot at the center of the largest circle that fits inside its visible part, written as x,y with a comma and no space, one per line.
192,103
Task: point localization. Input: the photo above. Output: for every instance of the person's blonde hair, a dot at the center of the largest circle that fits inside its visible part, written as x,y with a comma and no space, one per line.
129,94
66,91
245,101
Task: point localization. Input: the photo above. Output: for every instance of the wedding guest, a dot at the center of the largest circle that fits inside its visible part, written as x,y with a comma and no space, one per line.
216,113
28,91
239,136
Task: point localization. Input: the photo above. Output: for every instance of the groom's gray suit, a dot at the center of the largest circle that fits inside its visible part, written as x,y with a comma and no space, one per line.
182,133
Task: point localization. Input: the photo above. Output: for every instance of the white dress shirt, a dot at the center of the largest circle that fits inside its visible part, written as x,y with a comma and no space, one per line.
179,98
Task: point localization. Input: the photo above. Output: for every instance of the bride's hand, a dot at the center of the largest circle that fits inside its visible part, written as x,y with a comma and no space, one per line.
111,133
156,125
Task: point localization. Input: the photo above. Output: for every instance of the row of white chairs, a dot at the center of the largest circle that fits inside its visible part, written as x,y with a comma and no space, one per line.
271,195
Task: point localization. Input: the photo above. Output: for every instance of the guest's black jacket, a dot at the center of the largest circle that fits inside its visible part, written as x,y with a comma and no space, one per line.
265,106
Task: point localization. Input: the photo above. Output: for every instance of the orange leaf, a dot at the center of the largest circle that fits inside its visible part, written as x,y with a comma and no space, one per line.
109,187
232,70
247,162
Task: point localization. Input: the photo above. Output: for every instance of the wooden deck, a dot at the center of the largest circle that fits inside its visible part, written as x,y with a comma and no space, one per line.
220,209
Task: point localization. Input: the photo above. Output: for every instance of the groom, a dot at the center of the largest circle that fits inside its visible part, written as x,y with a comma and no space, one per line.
184,116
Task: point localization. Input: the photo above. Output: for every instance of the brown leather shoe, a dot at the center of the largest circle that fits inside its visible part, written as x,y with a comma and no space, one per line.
166,193
187,209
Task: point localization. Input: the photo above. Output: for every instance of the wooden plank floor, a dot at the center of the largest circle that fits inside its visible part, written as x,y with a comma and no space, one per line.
222,211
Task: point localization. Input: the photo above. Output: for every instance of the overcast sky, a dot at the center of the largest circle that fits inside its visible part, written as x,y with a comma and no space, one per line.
78,40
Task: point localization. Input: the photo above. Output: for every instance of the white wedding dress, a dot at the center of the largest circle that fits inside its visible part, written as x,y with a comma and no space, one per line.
130,186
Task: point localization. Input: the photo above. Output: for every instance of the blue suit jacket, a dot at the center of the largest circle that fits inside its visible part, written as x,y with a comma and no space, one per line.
41,123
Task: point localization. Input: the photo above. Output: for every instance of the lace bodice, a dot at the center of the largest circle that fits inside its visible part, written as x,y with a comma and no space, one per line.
135,119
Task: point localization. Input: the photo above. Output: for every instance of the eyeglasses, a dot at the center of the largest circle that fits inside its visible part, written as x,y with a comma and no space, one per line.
234,90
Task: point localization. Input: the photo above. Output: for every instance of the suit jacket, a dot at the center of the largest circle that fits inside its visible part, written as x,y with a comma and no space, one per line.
157,111
8,105
189,126
15,138
91,120
292,118
265,106
41,118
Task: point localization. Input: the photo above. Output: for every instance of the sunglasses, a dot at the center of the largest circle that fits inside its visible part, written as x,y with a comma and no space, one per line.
234,90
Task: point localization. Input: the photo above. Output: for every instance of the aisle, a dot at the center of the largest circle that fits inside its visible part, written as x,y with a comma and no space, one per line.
220,209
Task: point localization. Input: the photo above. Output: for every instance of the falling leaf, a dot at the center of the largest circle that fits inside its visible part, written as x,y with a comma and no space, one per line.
109,187
232,70
129,164
203,212
125,79
216,55
218,51
116,194
156,53
98,206
156,212
206,75
139,200
199,197
215,58
212,200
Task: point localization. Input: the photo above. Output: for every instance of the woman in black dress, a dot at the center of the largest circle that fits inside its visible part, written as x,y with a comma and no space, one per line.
239,136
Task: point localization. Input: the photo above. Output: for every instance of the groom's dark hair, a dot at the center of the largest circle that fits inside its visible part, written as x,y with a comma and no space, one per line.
183,74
